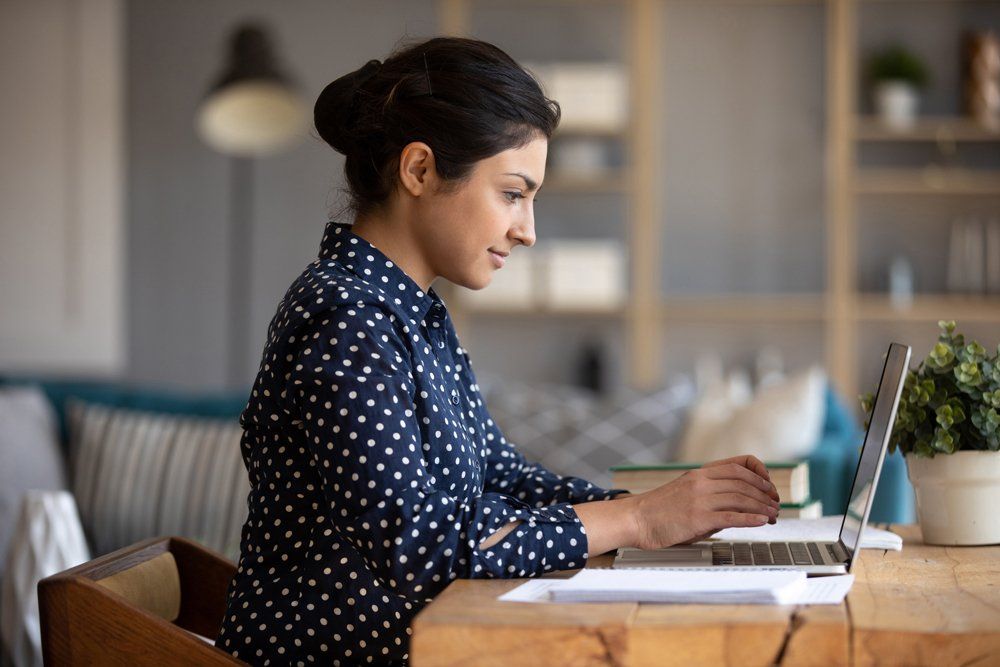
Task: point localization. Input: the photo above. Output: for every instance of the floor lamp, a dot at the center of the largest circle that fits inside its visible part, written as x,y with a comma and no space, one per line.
252,110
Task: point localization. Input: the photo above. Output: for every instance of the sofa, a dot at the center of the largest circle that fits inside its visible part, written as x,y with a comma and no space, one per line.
142,462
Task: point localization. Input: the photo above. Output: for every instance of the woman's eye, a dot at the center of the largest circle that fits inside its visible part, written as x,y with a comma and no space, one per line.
512,197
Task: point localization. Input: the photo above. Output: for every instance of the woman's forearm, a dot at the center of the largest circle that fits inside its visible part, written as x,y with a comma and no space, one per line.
609,523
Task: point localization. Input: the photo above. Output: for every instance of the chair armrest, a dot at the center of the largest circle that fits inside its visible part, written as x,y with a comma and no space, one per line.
84,622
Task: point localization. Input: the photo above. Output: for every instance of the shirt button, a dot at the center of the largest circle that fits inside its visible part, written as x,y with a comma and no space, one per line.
441,344
454,398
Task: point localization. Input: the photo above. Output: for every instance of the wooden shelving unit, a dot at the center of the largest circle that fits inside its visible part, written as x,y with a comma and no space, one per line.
938,129
927,181
842,310
849,183
929,308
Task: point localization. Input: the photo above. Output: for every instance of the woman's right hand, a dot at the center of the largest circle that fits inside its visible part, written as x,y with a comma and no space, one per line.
721,494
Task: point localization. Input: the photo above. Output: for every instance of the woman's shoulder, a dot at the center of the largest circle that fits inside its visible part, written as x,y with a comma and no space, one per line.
327,296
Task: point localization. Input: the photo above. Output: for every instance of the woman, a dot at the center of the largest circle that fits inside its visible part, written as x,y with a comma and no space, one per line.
377,473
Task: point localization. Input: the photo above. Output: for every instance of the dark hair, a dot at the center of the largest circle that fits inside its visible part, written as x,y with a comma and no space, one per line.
466,99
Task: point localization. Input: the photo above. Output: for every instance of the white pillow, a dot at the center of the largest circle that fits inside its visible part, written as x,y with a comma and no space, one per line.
30,455
47,539
783,421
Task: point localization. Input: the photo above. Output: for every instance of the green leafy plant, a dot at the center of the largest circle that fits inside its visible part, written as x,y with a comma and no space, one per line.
951,402
898,64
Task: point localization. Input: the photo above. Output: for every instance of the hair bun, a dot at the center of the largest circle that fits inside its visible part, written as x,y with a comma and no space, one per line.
336,109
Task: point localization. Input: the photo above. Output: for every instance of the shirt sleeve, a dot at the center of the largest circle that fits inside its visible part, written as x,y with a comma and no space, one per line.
352,391
508,471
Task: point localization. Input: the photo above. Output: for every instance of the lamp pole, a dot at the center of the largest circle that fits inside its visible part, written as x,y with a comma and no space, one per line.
240,288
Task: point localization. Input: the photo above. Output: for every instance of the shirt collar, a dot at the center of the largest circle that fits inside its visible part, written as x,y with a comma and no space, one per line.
371,265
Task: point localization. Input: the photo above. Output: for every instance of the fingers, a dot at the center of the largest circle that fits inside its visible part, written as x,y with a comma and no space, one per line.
747,461
735,470
740,502
741,487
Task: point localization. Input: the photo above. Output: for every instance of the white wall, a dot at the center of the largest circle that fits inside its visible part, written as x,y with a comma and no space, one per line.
61,185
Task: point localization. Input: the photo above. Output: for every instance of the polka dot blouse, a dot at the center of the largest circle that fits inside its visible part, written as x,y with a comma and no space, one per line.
376,472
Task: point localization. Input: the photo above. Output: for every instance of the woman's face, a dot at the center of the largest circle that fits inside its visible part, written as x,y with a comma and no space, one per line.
493,211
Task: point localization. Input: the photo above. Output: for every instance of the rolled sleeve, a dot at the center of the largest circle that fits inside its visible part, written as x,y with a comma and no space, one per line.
354,393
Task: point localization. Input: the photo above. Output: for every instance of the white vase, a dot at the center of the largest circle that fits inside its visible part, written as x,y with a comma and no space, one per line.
896,103
957,497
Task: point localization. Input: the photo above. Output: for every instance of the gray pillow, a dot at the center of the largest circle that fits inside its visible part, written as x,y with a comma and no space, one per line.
571,431
30,455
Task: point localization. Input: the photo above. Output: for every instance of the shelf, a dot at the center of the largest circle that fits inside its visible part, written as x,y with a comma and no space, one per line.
927,181
941,129
745,308
487,310
930,308
709,308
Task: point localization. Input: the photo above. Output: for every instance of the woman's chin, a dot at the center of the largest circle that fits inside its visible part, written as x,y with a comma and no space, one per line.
476,282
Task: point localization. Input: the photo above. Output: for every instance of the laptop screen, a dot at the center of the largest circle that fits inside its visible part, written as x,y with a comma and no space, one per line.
859,502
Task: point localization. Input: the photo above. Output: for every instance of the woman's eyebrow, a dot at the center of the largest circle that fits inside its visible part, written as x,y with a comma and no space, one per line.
532,185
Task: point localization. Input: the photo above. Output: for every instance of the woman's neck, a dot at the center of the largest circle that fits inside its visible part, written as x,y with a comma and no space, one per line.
394,238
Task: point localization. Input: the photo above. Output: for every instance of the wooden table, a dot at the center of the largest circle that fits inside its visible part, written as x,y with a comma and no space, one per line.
923,605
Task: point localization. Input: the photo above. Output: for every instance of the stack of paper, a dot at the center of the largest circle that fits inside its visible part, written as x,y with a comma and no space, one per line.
715,586
817,590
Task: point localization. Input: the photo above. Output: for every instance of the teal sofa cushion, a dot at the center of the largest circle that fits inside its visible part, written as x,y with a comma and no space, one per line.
219,404
834,462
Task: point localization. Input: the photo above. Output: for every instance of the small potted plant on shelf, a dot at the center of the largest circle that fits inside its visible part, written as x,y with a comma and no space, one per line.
897,76
948,428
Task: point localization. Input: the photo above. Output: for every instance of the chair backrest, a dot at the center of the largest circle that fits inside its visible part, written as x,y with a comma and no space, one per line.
158,602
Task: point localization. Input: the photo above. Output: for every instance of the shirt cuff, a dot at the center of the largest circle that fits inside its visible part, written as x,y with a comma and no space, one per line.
549,539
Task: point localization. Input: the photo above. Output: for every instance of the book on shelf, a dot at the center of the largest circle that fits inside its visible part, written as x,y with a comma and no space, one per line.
810,509
790,478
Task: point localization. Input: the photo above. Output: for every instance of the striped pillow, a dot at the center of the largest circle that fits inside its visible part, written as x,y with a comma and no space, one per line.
138,474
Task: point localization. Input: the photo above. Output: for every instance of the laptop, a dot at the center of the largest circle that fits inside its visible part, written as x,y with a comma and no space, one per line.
815,558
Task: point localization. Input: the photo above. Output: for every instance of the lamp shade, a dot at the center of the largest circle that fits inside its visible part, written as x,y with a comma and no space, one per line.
253,109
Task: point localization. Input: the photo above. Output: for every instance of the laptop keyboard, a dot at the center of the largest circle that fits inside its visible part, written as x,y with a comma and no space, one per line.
769,553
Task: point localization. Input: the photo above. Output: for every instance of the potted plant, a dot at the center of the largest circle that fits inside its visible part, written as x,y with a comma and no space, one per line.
897,75
948,428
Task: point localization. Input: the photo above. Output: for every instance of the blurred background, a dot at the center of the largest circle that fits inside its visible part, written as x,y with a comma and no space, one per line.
744,197
723,161
723,165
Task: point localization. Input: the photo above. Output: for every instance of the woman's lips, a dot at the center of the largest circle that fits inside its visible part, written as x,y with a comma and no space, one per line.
498,259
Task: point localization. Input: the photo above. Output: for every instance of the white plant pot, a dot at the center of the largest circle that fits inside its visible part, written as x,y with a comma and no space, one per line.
957,497
896,103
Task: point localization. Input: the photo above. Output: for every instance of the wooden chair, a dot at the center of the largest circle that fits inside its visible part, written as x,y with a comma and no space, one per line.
141,605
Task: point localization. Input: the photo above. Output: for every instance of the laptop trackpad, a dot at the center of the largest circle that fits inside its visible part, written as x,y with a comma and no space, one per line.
693,554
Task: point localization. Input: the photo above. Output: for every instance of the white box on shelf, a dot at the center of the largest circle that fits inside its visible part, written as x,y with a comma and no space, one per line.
583,274
512,287
593,96
579,156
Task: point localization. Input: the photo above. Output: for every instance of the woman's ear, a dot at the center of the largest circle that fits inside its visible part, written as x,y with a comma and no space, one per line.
416,168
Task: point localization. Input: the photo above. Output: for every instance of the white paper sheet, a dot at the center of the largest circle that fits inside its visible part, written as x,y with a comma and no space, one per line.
826,590
826,529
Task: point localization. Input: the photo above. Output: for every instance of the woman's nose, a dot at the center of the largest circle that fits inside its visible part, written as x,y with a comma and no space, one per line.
524,232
